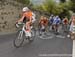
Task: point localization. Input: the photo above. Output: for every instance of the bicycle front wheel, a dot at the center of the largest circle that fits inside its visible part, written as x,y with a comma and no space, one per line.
18,41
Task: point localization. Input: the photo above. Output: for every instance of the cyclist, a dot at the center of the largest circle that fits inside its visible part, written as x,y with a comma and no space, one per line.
51,19
56,23
72,28
43,22
65,23
27,17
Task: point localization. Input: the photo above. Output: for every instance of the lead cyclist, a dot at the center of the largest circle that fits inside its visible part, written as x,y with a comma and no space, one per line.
28,17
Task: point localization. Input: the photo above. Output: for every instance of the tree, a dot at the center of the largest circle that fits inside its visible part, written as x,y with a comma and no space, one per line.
73,5
66,8
51,7
62,1
73,1
26,2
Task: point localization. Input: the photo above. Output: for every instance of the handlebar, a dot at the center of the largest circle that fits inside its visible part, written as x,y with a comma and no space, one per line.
18,24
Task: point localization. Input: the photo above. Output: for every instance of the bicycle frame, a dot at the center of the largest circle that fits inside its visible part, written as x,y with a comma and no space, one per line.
26,32
23,28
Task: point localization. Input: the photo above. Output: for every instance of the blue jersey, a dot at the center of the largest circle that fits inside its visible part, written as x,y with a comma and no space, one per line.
56,21
51,20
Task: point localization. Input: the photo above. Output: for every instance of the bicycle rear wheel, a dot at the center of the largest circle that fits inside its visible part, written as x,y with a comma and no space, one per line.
33,34
18,41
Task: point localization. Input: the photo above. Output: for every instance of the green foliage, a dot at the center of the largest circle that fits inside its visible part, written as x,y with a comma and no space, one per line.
73,5
73,1
62,1
66,8
51,7
26,2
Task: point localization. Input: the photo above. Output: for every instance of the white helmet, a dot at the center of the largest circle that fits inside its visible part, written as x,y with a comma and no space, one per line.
25,9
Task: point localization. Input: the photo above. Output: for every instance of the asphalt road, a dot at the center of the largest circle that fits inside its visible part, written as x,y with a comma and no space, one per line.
58,44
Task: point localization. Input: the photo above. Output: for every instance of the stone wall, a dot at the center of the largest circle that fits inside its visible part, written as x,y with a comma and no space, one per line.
9,12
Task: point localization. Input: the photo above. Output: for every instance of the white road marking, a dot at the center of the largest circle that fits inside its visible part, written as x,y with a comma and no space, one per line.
52,36
54,55
46,37
73,48
60,36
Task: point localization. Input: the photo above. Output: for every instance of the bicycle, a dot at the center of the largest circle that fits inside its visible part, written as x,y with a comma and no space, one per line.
42,30
65,27
21,35
55,28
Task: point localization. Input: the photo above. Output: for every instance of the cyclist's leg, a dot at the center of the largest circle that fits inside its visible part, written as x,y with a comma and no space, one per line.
41,29
28,29
52,27
56,27
65,27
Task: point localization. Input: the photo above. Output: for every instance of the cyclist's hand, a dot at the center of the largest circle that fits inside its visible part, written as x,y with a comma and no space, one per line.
17,25
16,22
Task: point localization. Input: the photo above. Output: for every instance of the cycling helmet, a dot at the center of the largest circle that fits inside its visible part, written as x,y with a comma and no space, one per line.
25,9
57,16
52,15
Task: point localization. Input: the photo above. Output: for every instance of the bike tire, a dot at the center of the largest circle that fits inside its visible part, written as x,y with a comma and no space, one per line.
19,37
33,33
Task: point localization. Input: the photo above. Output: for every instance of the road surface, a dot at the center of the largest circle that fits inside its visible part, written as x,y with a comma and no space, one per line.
40,47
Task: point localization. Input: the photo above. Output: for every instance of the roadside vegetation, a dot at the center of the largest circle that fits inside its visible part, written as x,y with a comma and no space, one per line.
25,2
62,9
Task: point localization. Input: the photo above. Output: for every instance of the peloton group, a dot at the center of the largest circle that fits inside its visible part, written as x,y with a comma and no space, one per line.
28,17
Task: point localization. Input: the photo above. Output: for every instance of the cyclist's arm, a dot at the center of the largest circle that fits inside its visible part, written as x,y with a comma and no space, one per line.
70,28
21,19
30,19
46,22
